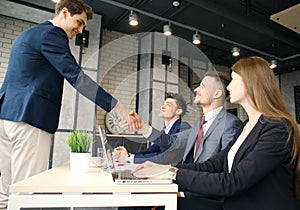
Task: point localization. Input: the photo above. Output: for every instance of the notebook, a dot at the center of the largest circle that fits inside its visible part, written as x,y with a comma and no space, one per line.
121,173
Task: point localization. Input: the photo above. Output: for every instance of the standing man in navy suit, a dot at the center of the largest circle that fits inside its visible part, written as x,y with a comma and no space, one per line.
30,97
172,111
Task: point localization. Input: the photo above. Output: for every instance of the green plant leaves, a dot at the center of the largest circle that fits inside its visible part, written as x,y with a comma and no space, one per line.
79,141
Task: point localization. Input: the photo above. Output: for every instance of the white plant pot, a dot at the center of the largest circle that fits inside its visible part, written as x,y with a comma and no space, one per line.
79,162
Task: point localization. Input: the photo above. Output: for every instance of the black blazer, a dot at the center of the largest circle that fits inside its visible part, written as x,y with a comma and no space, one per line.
261,178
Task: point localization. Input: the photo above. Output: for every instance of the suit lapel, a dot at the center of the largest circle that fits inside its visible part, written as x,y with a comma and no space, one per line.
210,130
192,138
214,124
250,140
176,127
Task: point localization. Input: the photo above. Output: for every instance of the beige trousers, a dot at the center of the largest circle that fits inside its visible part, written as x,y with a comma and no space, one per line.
24,151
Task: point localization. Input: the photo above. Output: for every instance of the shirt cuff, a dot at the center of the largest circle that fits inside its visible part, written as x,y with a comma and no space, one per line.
148,133
130,158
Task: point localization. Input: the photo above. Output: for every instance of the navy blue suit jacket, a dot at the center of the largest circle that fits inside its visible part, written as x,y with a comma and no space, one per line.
40,60
261,176
156,149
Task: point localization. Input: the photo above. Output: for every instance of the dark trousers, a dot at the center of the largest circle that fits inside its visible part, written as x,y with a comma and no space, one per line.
198,204
187,204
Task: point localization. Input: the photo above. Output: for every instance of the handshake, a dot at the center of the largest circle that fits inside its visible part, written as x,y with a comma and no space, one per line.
130,120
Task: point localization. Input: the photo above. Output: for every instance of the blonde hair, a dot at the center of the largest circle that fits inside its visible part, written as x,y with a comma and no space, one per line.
263,89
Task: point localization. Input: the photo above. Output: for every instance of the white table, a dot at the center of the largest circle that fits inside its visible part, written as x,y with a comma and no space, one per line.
59,188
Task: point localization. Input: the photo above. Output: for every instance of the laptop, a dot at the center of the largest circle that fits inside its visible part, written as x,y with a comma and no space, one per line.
121,173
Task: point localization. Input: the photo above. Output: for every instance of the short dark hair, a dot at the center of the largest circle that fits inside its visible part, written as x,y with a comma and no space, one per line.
75,7
181,103
223,78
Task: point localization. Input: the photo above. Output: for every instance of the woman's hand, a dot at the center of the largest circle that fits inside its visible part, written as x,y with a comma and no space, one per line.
152,170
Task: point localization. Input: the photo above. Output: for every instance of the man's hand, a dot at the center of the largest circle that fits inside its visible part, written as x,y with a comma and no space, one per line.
140,124
125,115
136,123
120,154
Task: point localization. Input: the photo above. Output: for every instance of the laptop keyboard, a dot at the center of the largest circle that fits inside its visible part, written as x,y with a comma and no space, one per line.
124,175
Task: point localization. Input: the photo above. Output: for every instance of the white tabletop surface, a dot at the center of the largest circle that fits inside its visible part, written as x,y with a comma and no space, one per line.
60,180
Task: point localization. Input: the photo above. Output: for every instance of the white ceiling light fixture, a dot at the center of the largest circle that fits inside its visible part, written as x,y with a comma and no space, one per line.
55,1
133,19
235,51
273,64
176,3
196,38
167,29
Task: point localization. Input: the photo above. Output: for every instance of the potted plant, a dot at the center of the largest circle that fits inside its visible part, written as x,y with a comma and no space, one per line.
79,143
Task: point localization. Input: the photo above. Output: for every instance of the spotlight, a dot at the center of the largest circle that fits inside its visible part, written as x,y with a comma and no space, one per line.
167,30
176,3
273,64
133,19
196,38
235,51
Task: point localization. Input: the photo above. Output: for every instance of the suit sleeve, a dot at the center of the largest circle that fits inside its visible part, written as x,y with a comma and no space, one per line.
55,48
268,153
149,152
230,131
213,165
173,155
166,140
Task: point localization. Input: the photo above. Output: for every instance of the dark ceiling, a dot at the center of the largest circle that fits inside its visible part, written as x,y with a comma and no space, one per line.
237,22
222,25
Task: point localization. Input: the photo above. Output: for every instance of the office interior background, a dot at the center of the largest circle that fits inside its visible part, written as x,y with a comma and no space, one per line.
138,64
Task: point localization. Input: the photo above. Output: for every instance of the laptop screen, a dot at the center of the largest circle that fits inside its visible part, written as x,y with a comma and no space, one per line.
122,174
108,165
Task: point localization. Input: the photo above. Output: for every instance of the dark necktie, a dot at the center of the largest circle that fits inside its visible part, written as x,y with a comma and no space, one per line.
199,137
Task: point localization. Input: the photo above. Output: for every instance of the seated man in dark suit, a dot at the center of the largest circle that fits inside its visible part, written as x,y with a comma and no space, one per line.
172,111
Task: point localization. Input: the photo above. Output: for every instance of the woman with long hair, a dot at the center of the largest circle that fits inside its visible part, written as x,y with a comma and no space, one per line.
260,168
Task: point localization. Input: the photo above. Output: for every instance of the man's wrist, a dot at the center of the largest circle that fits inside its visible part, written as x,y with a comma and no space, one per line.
130,158
144,128
148,133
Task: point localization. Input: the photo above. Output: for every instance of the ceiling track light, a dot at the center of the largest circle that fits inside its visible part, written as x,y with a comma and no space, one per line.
167,29
196,38
176,3
235,51
133,19
273,64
